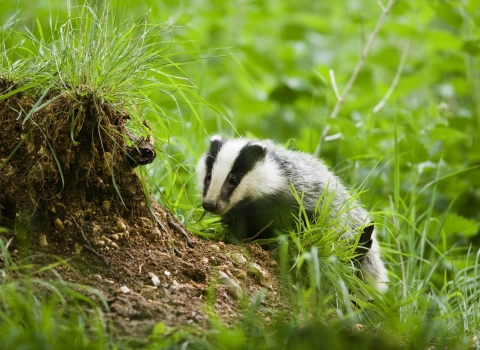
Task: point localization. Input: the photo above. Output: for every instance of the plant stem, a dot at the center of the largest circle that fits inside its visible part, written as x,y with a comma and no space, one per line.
385,11
365,52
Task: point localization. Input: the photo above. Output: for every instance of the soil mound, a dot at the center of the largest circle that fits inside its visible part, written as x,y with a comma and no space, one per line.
69,189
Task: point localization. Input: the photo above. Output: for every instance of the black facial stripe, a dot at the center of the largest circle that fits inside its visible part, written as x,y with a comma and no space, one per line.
248,156
210,157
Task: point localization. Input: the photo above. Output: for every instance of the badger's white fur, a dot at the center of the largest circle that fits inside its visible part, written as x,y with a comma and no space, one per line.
248,183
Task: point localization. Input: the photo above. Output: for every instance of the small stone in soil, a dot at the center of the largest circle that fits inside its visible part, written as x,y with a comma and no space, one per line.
215,247
124,289
154,278
59,224
43,240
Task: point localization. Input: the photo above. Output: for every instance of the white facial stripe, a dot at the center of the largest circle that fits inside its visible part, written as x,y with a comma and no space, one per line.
222,166
265,178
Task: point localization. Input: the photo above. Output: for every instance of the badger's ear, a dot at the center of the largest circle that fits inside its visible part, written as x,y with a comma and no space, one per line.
256,152
216,143
215,138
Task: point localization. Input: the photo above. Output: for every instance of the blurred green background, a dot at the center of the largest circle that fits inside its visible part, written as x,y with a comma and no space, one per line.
264,69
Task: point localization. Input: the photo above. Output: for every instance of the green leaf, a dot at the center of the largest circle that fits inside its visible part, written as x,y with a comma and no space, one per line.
456,224
412,150
159,329
471,46
448,135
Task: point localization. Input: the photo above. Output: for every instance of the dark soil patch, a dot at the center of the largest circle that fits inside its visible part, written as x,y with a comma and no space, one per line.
58,197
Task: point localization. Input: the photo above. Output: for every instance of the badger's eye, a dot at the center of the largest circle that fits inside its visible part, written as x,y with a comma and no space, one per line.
233,181
208,177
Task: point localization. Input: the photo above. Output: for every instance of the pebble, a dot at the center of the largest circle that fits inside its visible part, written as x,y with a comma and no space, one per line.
166,273
261,274
215,247
204,260
124,289
121,225
238,258
97,277
106,205
153,235
43,240
106,239
115,237
232,287
256,269
154,278
174,286
59,224
96,229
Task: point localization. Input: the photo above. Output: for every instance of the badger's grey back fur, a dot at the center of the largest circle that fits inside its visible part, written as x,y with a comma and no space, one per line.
248,183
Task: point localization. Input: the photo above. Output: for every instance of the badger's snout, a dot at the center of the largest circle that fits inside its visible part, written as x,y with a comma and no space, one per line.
210,206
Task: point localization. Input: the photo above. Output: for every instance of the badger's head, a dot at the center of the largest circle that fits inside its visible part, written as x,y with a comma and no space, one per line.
233,171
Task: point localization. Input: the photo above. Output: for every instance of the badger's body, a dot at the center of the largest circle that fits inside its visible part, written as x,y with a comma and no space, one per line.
249,183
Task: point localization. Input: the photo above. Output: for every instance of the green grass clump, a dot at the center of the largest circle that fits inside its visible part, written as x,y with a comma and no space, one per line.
39,314
99,55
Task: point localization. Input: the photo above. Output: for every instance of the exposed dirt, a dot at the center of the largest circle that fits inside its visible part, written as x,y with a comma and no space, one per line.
58,197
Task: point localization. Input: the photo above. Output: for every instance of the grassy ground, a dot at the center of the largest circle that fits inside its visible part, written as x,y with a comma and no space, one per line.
270,69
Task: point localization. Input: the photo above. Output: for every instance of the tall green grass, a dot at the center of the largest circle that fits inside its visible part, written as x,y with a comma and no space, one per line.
40,313
98,54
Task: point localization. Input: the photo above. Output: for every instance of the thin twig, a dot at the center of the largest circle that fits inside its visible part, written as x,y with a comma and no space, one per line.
179,229
87,245
336,136
381,5
258,233
385,11
395,79
365,52
334,83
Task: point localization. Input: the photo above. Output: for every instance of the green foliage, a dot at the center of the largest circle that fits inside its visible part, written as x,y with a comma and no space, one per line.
273,75
36,314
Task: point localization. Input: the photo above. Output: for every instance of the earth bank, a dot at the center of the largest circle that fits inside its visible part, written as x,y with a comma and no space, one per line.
69,190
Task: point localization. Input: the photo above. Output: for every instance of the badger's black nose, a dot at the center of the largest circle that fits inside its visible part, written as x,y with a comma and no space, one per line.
210,206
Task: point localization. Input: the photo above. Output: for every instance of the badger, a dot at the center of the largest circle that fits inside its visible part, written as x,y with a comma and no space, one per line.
251,184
